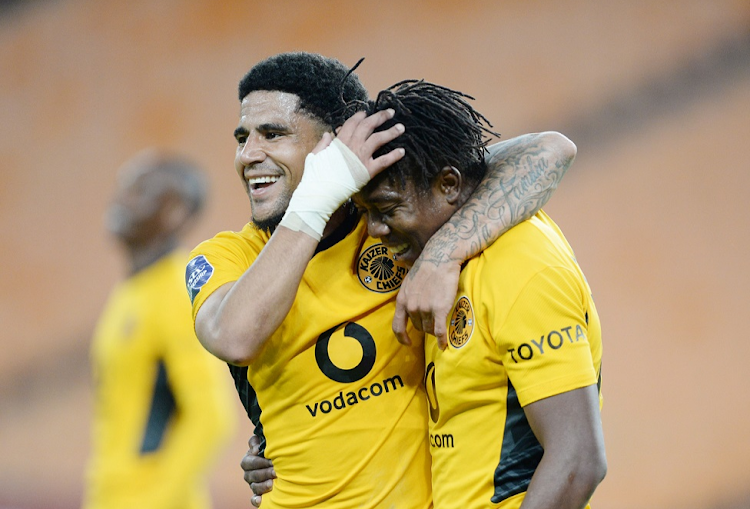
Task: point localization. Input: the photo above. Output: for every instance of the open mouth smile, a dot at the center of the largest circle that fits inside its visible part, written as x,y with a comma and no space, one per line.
259,183
399,249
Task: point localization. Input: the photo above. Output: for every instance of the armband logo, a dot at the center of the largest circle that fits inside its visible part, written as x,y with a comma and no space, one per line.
197,274
462,323
378,271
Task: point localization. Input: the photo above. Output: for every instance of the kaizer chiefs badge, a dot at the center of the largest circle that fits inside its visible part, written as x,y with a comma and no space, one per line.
378,271
462,323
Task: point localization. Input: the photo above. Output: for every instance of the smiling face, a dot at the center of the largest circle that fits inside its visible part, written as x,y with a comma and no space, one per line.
273,138
404,218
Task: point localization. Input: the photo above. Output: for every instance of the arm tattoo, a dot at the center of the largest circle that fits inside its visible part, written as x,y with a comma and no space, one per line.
522,174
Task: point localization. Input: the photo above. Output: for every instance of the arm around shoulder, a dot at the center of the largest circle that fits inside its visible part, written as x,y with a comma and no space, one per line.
522,173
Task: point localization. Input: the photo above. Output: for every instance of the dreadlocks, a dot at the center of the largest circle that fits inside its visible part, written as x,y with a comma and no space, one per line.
442,129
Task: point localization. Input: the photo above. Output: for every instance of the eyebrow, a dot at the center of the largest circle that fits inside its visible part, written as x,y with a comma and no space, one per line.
240,131
262,128
272,126
379,199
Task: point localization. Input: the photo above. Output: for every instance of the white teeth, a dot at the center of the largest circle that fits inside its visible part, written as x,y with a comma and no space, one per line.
262,180
401,249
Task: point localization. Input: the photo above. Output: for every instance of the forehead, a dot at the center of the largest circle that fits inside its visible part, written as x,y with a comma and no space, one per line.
384,190
264,107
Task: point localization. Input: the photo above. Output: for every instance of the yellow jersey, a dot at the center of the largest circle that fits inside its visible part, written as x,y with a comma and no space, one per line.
163,406
524,327
340,401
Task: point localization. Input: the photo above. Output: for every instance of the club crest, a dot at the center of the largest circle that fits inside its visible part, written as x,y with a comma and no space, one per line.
462,323
378,271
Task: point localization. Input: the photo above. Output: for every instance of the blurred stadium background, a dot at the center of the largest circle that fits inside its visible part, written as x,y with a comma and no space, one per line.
656,94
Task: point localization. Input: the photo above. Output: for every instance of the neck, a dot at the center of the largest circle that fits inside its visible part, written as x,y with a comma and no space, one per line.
144,256
337,218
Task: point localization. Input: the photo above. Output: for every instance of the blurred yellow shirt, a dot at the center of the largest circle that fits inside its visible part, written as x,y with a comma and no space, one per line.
164,406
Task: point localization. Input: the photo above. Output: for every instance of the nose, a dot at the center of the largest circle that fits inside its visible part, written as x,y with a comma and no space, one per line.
250,153
376,227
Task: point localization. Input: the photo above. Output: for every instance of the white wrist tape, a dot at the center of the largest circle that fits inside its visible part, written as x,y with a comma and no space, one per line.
331,177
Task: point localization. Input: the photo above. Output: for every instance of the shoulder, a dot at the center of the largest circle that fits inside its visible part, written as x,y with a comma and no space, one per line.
535,246
248,239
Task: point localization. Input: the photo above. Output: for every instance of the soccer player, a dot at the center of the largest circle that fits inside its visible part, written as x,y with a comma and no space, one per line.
163,408
514,395
305,299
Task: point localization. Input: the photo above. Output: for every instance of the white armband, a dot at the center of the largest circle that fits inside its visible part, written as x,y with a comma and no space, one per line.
331,177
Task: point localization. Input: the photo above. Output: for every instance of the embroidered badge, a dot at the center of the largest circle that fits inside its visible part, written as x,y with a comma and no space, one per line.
462,323
378,271
197,274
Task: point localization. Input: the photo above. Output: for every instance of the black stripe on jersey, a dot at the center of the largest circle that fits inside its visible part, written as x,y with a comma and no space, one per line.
249,400
162,410
520,455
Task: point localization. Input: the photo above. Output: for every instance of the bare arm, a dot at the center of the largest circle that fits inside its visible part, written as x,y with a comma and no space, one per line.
569,428
238,318
235,321
522,174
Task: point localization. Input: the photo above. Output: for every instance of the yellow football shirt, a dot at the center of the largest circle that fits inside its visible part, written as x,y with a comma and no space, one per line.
163,406
524,327
341,402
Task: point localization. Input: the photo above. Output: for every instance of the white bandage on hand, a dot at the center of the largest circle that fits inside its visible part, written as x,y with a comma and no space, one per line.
331,177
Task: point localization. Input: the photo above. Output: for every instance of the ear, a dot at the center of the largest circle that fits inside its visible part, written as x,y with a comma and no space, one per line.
449,183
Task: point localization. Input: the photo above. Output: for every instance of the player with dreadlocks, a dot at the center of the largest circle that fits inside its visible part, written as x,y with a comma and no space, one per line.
514,397
514,400
302,298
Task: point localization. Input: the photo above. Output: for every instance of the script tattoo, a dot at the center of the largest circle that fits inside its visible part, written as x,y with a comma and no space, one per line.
521,176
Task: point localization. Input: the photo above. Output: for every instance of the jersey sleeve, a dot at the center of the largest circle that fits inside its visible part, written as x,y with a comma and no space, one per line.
215,262
544,337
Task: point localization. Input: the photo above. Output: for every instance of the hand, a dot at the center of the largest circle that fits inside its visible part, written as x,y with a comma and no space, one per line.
426,297
358,133
259,472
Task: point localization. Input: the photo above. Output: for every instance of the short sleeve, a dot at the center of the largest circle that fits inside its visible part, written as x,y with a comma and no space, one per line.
215,262
543,339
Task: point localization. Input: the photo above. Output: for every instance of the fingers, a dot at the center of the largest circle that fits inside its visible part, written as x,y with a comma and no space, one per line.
261,488
359,126
441,333
426,298
399,324
358,133
259,471
252,463
384,161
254,443
323,143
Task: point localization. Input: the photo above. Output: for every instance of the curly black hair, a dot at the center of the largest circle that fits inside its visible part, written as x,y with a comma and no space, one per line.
323,84
442,129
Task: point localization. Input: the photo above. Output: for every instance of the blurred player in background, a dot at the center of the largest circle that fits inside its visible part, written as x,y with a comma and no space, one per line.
164,407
